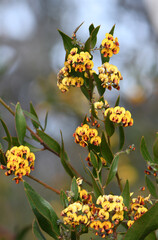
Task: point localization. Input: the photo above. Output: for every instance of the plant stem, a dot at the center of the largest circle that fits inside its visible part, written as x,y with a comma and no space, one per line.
44,184
119,181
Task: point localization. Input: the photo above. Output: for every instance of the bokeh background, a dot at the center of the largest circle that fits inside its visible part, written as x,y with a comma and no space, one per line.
31,54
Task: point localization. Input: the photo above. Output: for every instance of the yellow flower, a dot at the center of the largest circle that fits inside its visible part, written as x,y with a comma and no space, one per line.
118,216
20,161
95,140
129,223
103,215
98,105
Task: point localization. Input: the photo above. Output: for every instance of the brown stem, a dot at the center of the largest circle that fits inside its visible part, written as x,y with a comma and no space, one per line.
44,184
119,181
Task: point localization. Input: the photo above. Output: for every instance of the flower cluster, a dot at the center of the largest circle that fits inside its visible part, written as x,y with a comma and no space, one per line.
105,215
137,209
110,76
110,45
102,217
20,161
85,135
76,62
109,213
119,115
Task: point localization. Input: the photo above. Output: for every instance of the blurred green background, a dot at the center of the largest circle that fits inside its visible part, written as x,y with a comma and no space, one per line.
32,53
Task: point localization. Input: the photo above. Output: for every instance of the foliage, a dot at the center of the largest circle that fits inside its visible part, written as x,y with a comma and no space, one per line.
108,216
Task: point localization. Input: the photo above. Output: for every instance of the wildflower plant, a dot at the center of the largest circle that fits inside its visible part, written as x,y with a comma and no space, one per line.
86,208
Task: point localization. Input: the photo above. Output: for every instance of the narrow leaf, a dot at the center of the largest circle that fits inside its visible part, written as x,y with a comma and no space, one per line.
109,126
33,118
94,160
9,139
20,123
112,30
91,27
66,40
155,149
126,194
42,206
64,199
151,187
144,225
43,222
87,45
94,36
117,101
100,89
37,232
49,141
112,170
93,112
105,150
97,189
45,121
144,151
3,159
35,123
121,137
64,160
85,92
74,189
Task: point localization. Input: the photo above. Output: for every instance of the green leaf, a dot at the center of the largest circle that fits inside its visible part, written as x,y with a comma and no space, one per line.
66,40
33,118
9,139
35,122
97,190
37,232
144,225
20,123
45,121
94,160
93,112
87,45
117,101
43,207
85,91
3,159
94,36
151,187
63,198
105,150
109,126
126,194
91,28
15,141
113,169
31,147
155,149
121,137
64,160
151,236
112,30
74,189
49,141
144,151
101,90
43,222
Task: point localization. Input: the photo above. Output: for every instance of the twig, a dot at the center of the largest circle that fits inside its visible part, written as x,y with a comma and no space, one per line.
44,184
